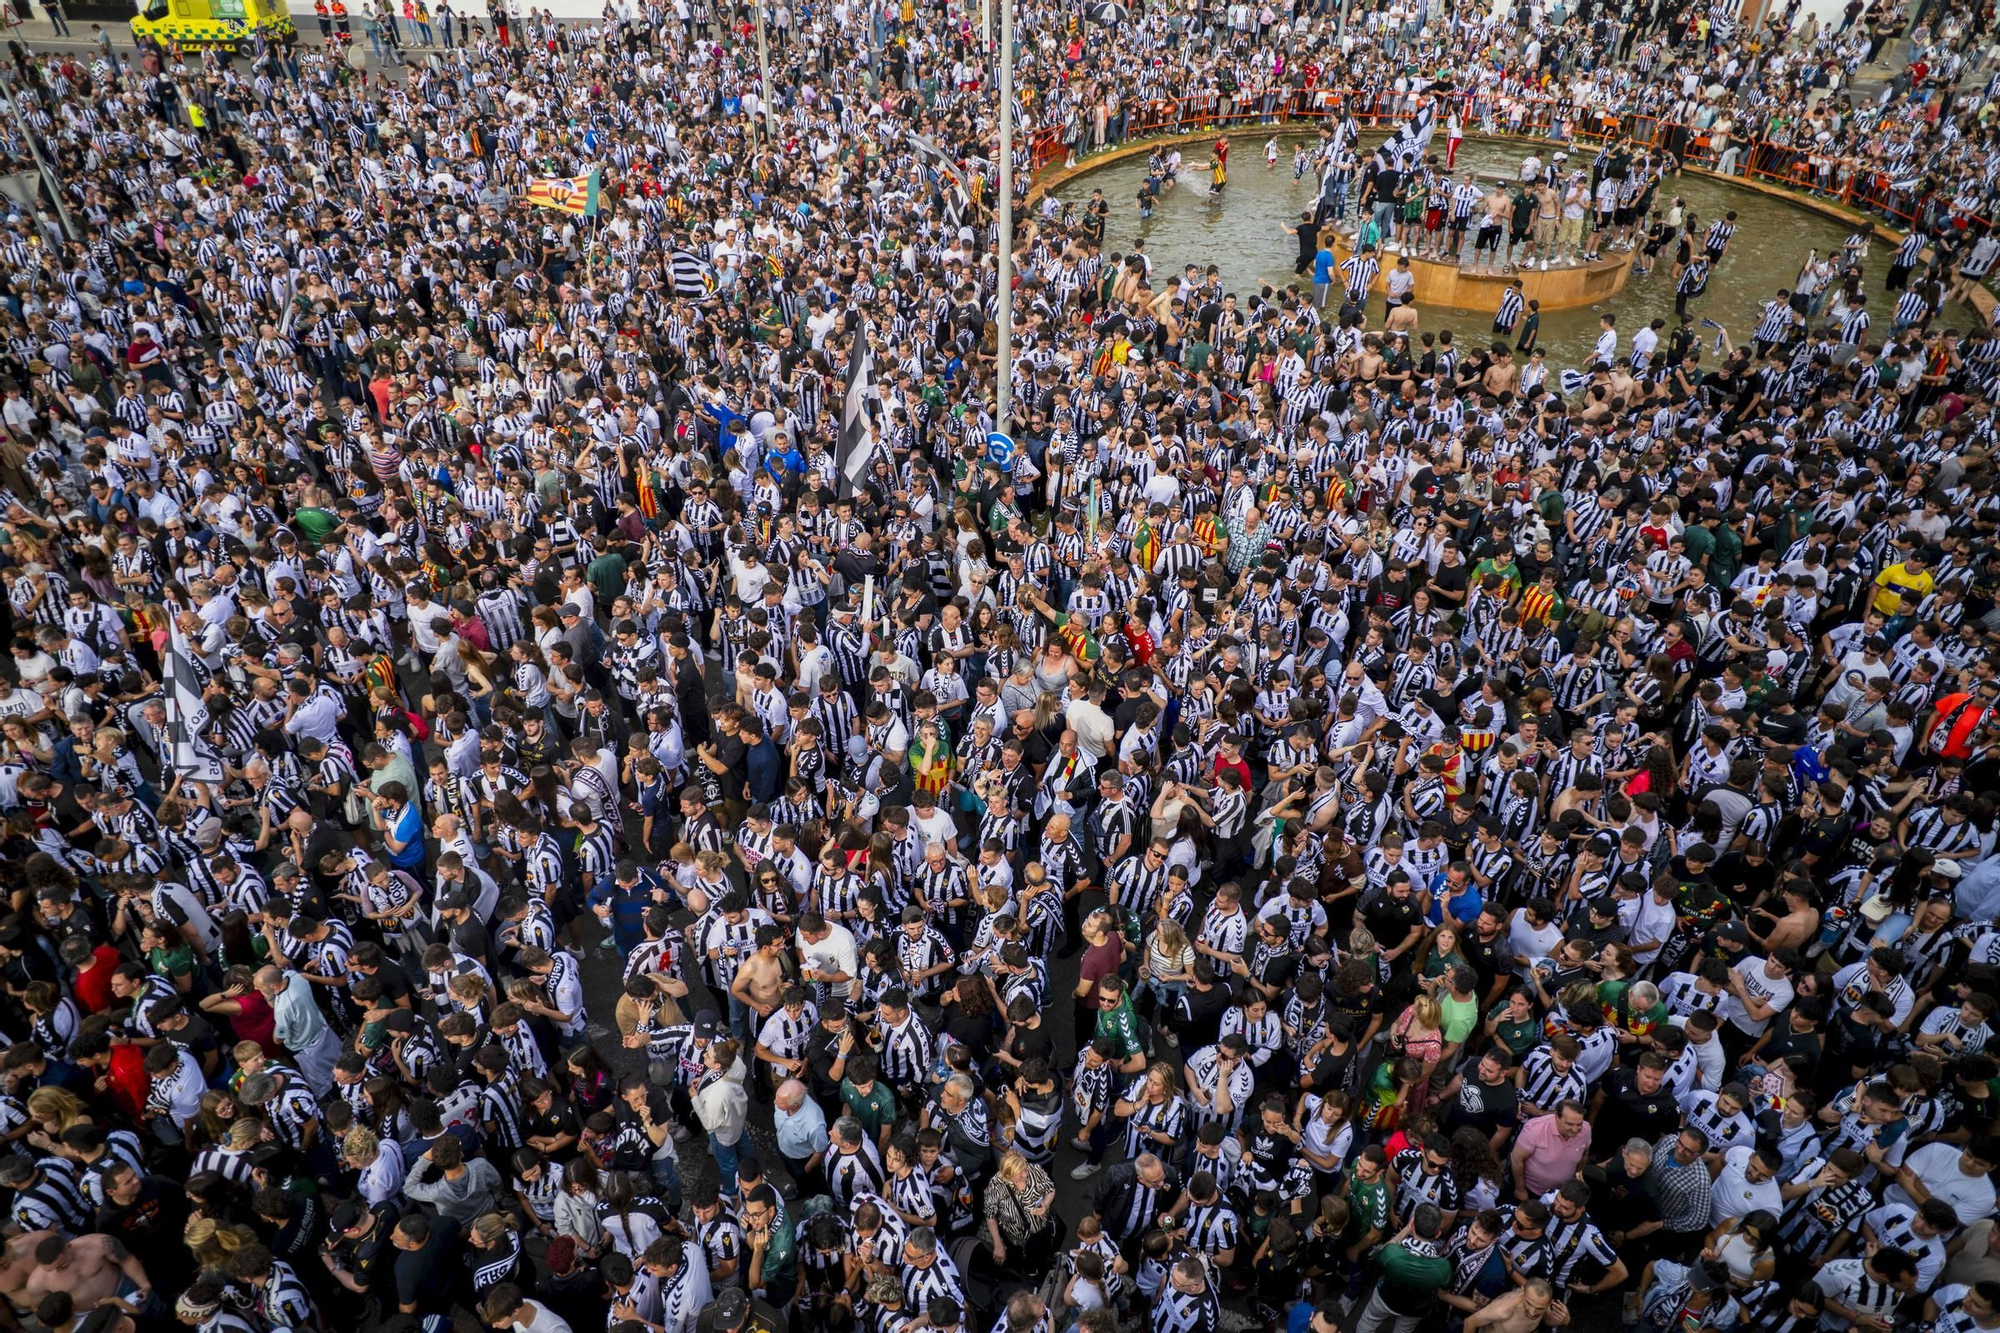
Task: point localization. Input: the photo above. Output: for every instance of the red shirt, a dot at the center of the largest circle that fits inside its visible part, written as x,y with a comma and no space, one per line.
93,983
129,1081
1100,961
1242,769
1957,743
258,1023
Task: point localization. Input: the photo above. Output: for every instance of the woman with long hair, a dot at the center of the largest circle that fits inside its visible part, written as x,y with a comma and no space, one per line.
1438,955
249,1013
1169,963
576,1204
1476,1168
495,1252
628,1227
1326,1136
1745,1246
970,1018
1154,1112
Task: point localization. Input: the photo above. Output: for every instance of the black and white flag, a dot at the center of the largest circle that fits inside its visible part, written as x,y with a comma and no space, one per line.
692,276
187,715
1406,146
854,457
950,180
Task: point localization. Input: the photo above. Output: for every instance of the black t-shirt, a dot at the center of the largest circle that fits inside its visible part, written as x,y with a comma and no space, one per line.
151,1224
395,983
1027,1043
1629,1113
1617,1201
731,752
1742,881
1485,1109
426,1276
372,1260
1488,960
196,1037
1782,728
1785,1041
558,1120
822,1050
1201,1016
1274,1153
1389,919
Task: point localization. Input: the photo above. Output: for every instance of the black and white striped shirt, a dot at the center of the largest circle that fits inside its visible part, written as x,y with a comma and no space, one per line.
1176,1311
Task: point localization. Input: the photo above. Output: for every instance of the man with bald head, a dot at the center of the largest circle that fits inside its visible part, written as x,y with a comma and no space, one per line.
300,1028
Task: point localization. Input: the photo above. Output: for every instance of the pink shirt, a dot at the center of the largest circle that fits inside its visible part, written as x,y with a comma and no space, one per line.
1552,1159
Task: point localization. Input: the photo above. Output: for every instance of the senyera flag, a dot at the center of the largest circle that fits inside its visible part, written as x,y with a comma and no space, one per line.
565,194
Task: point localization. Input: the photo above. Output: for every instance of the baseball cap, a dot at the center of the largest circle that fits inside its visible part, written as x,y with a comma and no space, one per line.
731,1307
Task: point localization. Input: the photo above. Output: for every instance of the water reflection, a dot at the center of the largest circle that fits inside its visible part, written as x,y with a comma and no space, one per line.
1242,230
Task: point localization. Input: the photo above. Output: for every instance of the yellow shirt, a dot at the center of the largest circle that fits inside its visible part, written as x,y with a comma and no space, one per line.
1891,583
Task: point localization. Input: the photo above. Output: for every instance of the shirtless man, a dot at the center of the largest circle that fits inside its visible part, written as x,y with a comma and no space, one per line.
1547,205
760,981
93,1270
17,1265
1493,214
1503,376
1522,1310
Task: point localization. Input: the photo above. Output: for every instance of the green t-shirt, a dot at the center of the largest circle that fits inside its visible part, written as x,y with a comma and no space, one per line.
1410,1282
876,1109
1509,572
175,962
1121,1025
1460,1017
315,525
1367,1205
607,576
1551,503
781,1272
1519,1037
1698,542
1727,557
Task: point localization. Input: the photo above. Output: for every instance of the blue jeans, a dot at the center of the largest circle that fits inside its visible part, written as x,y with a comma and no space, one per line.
725,1164
741,1022
1384,216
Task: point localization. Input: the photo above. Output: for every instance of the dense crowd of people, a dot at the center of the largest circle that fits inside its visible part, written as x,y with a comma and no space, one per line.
554,775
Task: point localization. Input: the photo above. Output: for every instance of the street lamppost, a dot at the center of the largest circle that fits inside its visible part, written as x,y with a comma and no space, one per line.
764,76
1005,388
48,174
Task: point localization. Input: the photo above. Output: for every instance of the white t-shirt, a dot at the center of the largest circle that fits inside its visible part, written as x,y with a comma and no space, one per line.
1732,1194
1774,991
1529,944
1936,1165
